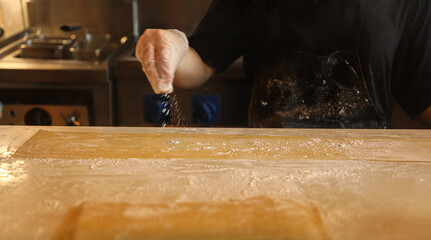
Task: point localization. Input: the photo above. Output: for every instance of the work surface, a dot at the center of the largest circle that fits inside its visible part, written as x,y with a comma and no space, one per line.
366,184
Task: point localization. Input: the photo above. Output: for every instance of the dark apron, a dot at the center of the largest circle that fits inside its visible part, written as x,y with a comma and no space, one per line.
299,90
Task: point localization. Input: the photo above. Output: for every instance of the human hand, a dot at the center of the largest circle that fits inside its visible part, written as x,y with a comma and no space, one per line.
161,52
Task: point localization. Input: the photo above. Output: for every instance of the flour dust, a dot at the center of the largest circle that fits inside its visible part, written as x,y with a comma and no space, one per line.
172,113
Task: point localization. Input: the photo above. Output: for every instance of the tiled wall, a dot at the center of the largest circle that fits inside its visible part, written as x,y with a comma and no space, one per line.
99,16
12,20
115,16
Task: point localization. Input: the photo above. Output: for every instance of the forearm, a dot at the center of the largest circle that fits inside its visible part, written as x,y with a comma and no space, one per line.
193,73
425,117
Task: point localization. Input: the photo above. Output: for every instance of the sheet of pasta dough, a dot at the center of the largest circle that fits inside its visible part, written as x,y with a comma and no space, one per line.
95,145
257,218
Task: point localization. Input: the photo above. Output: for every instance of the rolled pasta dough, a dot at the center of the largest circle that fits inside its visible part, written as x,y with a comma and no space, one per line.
257,218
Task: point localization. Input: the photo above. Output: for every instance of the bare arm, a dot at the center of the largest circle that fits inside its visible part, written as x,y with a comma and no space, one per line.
425,117
193,73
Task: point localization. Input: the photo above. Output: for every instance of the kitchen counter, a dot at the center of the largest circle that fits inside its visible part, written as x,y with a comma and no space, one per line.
15,69
366,184
85,69
27,83
53,71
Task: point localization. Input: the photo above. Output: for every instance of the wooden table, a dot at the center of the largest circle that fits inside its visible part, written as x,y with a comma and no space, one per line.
367,184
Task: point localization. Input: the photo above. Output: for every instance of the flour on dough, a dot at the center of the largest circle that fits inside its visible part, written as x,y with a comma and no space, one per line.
257,218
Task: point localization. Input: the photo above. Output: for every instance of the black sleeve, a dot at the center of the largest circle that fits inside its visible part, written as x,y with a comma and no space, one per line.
224,33
412,70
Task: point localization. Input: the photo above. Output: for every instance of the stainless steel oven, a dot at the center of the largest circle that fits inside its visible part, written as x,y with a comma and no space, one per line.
53,75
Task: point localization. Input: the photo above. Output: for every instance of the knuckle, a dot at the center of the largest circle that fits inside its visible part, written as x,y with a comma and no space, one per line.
148,31
158,34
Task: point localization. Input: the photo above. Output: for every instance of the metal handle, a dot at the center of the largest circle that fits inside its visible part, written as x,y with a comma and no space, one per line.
70,28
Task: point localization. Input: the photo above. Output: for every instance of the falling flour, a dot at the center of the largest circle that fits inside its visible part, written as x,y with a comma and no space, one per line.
172,114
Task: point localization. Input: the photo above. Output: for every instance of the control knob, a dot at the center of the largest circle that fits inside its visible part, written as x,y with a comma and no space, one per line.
72,120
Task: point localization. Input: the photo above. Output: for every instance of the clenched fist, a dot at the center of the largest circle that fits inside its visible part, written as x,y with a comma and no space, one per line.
161,52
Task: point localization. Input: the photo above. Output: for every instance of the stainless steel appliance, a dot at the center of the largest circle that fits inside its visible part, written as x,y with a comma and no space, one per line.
58,72
45,115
